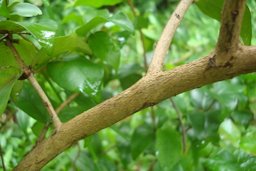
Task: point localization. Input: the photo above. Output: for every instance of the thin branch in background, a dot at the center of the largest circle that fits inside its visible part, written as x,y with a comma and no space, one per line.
67,102
183,129
46,77
228,41
58,110
130,3
167,36
27,71
2,158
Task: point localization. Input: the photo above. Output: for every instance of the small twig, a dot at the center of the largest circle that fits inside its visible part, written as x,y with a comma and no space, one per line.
228,41
2,158
67,102
58,110
130,3
183,129
167,36
27,71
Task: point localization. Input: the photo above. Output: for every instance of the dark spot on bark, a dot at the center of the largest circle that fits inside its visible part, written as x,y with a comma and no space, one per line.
228,64
211,62
234,14
147,104
177,16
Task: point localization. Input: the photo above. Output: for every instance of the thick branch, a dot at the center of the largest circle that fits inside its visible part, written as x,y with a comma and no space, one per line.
232,16
167,36
148,91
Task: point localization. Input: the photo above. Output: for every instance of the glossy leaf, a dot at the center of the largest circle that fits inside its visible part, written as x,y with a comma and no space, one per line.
11,26
77,75
248,141
8,77
168,145
230,159
142,137
67,44
123,21
215,12
84,29
229,133
104,47
24,9
41,32
29,101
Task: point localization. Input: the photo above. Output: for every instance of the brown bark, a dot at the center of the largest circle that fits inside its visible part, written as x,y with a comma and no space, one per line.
148,91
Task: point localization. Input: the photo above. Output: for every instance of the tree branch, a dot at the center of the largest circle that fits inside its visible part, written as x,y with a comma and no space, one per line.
27,71
148,91
67,102
183,129
167,36
232,16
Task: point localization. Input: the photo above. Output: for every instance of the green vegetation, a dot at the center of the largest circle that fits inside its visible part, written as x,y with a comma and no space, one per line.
93,50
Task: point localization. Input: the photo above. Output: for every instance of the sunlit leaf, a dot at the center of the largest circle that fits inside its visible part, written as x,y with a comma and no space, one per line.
77,75
24,9
229,133
69,43
105,48
29,101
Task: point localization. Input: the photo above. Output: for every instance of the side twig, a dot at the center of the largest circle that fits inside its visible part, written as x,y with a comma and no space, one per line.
67,102
58,110
167,36
27,71
228,41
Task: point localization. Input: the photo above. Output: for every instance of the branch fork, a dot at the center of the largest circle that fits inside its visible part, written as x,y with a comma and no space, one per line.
156,85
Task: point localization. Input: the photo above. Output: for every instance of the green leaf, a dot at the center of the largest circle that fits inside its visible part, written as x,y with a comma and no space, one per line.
120,19
23,120
8,77
24,10
37,128
97,3
168,145
129,74
104,47
248,141
77,74
29,101
229,133
215,13
139,144
227,159
84,29
40,31
67,44
11,26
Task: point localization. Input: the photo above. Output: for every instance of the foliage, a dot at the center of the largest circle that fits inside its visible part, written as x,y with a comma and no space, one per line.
95,49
